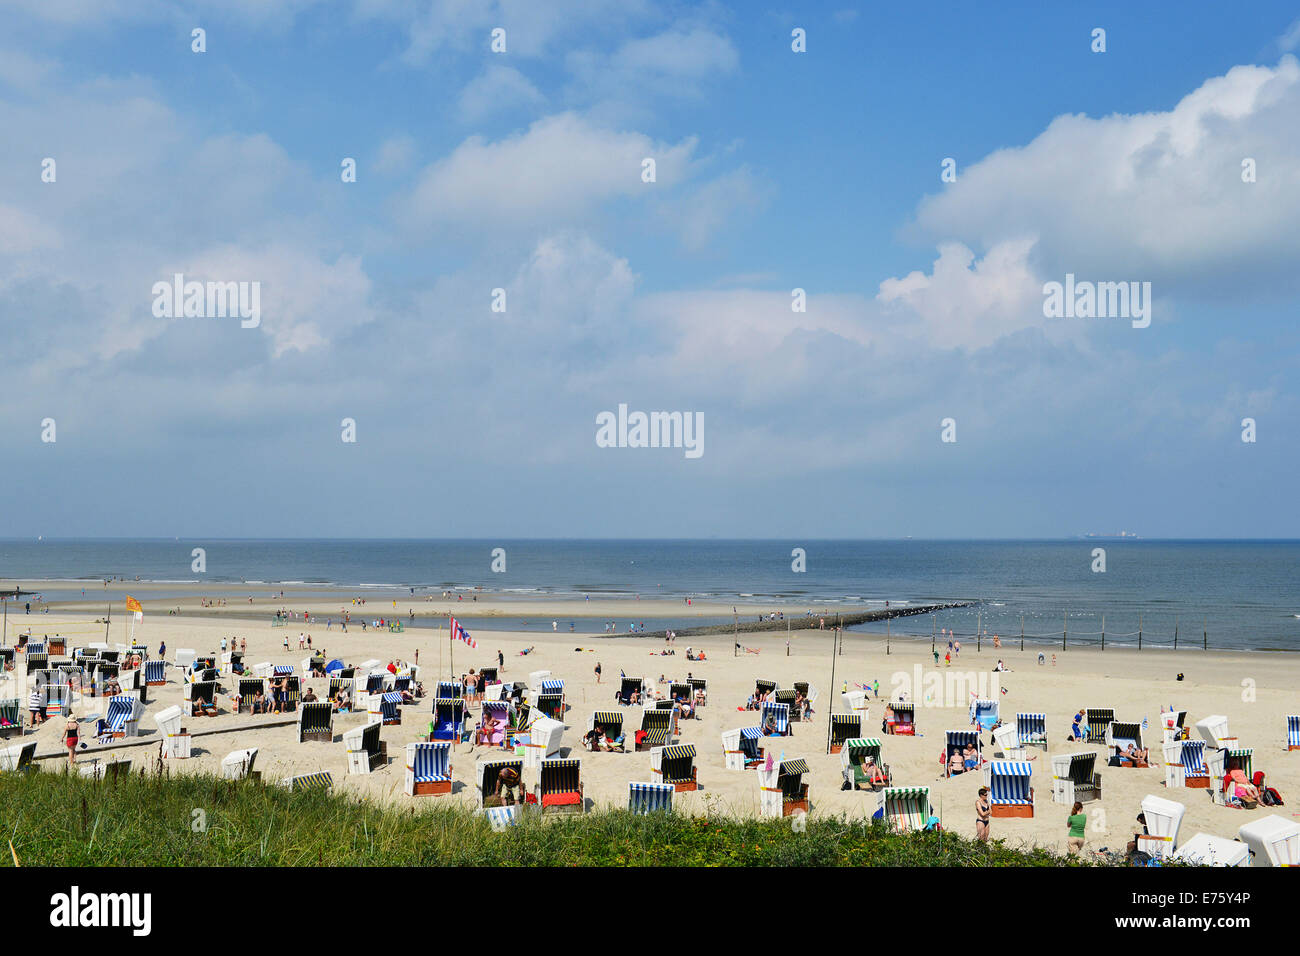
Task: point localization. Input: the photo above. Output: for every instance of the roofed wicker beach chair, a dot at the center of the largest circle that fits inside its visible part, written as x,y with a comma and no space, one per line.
321,780
238,765
764,687
740,748
503,818
782,791
316,722
1163,818
17,756
535,679
11,718
859,773
1214,730
630,687
1273,840
904,719
249,688
656,729
37,660
984,711
1006,741
292,692
155,673
1207,850
610,723
541,741
844,727
375,682
428,769
905,809
650,797
366,751
1185,765
1293,732
339,685
699,691
1221,764
787,697
110,769
499,713
448,719
1097,719
203,698
1074,778
774,718
123,718
489,676
559,785
1120,735
175,741
387,707
489,771
956,742
675,765
855,702
552,705
1031,730
1010,791
449,688
1173,726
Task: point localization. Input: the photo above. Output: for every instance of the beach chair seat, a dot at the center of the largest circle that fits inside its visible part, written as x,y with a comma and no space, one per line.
11,718
1293,732
559,786
1120,735
782,792
851,760
650,797
904,719
699,691
428,768
611,724
552,705
774,718
387,707
17,756
630,687
655,731
500,712
488,771
1196,771
155,673
956,742
123,718
448,719
1031,730
316,722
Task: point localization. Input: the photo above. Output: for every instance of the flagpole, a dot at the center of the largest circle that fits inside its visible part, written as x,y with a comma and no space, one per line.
440,646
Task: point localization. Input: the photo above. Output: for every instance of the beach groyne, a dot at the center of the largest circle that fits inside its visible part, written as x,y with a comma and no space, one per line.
815,622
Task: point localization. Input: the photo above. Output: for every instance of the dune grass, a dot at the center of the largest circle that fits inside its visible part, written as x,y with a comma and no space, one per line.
57,819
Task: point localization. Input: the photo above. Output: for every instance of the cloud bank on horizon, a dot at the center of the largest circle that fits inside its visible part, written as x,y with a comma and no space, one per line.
501,271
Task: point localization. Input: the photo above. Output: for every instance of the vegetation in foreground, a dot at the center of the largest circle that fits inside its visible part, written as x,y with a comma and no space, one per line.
59,819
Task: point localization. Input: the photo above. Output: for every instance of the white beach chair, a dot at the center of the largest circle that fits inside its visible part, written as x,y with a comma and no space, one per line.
1010,783
844,727
1214,730
1074,778
559,785
503,818
535,682
176,743
855,702
366,752
781,790
740,747
487,771
17,756
316,722
1273,841
851,761
238,764
1207,850
675,765
185,657
1163,819
1119,734
544,736
123,718
1006,739
103,769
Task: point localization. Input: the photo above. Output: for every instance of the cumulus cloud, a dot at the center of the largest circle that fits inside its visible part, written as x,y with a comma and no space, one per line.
497,89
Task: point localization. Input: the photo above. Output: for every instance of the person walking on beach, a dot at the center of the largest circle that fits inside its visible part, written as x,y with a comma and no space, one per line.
501,660
70,738
162,649
983,813
597,672
1078,823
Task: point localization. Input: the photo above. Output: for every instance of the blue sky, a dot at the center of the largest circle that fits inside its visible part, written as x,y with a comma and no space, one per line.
776,170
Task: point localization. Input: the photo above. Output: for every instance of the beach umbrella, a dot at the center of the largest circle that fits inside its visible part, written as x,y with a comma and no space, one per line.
334,666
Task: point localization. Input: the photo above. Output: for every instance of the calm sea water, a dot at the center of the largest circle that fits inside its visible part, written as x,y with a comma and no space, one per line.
1243,593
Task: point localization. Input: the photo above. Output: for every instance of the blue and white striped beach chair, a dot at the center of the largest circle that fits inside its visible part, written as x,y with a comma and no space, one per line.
449,688
740,747
984,711
428,768
448,719
1031,730
775,719
1196,772
155,673
123,719
502,818
552,686
390,708
649,797
956,741
1293,732
1010,792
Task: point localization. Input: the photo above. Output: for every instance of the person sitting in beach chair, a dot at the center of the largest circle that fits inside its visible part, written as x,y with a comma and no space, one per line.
1243,794
343,702
506,791
971,757
309,696
956,764
1137,755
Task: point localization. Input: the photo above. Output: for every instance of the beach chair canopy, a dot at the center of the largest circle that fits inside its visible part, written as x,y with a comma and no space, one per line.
845,727
1120,734
238,764
1031,728
907,808
610,721
552,686
1163,819
1207,850
169,720
488,771
1293,731
1273,841
676,762
1214,730
984,711
1193,758
429,762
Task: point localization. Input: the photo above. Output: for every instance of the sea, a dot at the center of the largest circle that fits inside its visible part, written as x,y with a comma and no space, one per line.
1237,595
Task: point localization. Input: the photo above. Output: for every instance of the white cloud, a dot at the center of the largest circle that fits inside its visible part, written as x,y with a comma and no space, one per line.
395,155
556,172
723,201
1152,196
497,89
675,61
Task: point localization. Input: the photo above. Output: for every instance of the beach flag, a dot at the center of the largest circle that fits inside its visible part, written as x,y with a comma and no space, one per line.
134,607
458,633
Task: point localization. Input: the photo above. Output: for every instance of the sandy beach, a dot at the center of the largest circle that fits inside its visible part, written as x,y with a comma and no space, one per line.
1255,690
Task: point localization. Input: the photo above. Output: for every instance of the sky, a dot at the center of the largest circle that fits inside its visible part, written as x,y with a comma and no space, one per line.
523,170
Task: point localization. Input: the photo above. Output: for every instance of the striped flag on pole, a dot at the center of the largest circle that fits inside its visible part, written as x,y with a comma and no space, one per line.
458,633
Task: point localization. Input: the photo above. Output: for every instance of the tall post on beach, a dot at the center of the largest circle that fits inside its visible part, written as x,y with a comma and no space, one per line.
1139,631
888,630
1103,632
1065,627
440,643
1175,632
830,709
735,620
934,630
1205,635
108,620
1022,632
4,635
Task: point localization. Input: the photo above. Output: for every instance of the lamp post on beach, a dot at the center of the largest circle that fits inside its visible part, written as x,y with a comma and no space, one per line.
831,708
